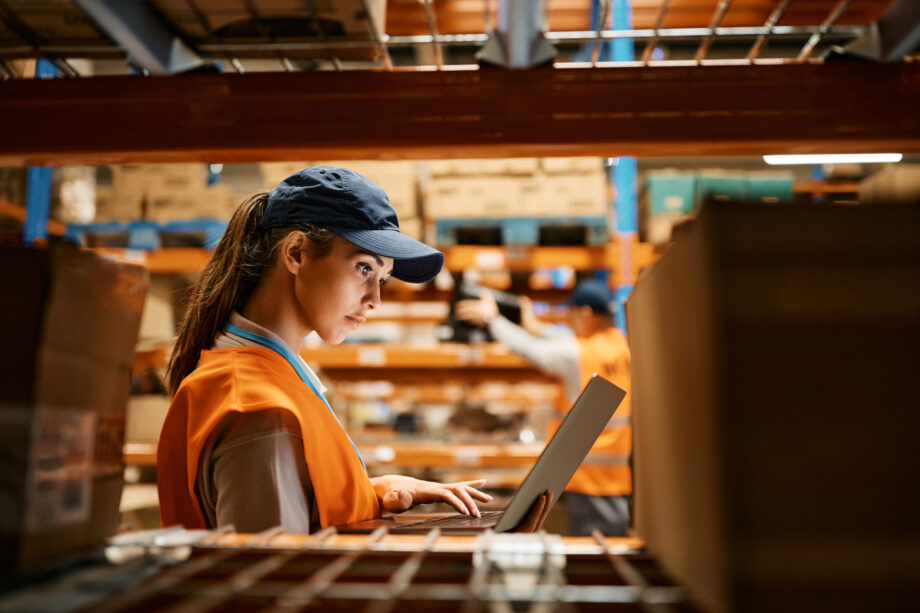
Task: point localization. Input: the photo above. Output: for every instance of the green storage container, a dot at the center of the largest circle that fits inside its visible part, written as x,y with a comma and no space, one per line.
671,192
720,188
770,188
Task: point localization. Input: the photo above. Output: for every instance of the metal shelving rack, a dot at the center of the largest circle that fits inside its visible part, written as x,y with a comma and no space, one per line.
193,21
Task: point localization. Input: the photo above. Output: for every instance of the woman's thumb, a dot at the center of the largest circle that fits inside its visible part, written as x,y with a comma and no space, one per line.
397,501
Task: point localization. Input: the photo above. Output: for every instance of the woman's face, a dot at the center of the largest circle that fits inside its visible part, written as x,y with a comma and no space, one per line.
335,292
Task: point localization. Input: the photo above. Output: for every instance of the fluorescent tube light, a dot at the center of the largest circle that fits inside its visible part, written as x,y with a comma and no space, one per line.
842,158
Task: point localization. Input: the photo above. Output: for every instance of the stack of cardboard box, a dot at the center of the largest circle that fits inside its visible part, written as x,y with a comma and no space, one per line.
65,376
161,193
516,187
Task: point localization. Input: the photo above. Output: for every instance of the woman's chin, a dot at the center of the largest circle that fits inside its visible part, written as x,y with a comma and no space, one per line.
335,337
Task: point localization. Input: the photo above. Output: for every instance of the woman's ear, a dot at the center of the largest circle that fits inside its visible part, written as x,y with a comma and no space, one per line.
295,251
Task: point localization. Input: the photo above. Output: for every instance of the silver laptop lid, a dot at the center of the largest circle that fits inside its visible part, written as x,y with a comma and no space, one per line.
565,451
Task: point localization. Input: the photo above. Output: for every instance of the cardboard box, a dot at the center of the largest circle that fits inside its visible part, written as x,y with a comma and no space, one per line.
211,202
457,167
412,227
774,359
894,184
65,375
463,167
474,197
121,205
566,195
158,322
572,165
159,177
658,227
145,416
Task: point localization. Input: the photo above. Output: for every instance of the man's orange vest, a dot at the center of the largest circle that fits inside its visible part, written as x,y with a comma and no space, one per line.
605,470
247,379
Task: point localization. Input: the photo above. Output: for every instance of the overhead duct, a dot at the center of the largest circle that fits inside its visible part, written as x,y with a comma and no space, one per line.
890,38
135,26
518,41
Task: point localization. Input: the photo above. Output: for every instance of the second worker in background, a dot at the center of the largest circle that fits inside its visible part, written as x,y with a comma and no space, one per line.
597,497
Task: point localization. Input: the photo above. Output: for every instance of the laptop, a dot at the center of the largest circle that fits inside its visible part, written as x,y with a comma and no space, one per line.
552,471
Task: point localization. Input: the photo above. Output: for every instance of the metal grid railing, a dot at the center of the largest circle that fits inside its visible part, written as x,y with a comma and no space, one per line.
534,572
799,42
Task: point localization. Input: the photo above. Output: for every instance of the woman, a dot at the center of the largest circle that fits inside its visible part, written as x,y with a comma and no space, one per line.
249,438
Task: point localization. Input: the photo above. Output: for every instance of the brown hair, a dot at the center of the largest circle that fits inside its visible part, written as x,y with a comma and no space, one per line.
241,257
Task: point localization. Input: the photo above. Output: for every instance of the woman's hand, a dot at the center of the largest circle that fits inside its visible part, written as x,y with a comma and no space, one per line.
534,519
397,493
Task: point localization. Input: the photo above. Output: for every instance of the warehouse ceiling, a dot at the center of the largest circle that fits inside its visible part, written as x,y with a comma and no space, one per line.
258,80
265,35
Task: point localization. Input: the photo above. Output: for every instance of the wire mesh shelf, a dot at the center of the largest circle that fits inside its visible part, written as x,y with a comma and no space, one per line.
379,572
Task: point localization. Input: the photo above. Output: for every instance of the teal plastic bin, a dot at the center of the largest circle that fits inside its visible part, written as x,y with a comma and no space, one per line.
671,192
721,188
770,189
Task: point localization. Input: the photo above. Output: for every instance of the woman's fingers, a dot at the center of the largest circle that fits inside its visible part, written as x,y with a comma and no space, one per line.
534,519
478,495
450,498
464,495
546,506
473,488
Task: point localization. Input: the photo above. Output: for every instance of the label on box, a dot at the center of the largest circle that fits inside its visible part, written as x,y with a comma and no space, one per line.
60,468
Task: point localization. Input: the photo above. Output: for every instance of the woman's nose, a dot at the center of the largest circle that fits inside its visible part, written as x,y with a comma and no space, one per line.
372,300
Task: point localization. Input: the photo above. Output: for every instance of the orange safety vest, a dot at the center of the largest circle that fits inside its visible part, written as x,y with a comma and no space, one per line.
247,379
605,470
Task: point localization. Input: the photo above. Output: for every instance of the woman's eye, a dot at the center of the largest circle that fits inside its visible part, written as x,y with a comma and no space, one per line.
364,269
383,282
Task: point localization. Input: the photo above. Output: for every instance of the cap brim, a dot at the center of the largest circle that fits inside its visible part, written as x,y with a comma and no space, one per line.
414,261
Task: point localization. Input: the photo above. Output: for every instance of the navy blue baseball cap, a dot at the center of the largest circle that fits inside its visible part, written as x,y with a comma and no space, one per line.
355,208
595,294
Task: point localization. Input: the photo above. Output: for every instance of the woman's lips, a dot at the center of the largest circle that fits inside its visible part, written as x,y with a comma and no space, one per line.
355,320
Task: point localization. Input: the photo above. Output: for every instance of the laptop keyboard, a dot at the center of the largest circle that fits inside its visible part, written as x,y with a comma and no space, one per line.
456,521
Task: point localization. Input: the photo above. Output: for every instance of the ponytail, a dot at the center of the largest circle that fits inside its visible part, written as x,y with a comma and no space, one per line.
239,261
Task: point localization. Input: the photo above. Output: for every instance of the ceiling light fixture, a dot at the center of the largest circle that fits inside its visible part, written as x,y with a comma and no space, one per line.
842,158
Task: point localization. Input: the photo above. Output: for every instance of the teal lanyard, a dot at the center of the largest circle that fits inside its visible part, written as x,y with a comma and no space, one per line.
288,355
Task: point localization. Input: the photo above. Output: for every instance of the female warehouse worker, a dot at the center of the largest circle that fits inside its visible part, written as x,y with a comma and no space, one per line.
250,439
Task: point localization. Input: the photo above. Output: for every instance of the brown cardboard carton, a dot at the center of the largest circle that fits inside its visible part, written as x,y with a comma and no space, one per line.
566,195
64,382
774,358
896,183
474,197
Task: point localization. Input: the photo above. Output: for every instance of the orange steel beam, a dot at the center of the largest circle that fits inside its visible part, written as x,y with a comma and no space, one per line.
640,111
18,213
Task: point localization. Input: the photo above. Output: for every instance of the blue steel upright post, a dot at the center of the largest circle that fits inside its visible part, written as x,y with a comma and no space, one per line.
38,182
623,174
